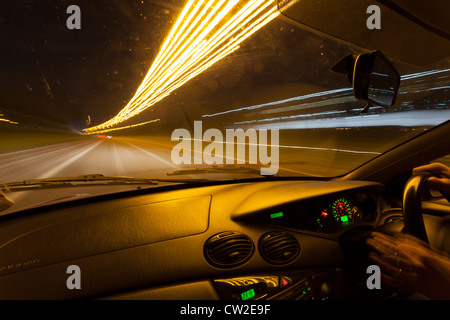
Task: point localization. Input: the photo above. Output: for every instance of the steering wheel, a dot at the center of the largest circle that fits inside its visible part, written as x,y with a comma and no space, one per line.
412,206
353,242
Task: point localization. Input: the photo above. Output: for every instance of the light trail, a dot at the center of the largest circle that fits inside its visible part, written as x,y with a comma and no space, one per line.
415,118
423,74
345,95
284,146
122,128
280,102
205,33
6,120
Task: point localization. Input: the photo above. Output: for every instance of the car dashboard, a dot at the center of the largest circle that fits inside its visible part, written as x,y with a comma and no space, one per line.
232,241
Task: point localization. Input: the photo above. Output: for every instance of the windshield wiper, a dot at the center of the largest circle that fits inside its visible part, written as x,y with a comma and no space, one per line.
86,181
216,169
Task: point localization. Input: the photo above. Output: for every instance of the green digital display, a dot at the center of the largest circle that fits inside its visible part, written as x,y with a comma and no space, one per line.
248,294
276,215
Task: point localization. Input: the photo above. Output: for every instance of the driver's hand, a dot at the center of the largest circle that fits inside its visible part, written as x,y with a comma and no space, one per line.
409,265
440,179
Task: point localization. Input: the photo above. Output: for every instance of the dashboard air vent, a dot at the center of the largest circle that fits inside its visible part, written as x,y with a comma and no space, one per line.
278,247
228,249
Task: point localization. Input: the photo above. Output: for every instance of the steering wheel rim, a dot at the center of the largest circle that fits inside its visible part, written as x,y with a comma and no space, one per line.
412,206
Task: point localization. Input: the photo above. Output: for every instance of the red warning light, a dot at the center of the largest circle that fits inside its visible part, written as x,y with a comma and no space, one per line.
285,281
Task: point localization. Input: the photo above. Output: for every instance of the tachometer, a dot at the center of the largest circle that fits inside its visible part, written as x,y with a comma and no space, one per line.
339,213
342,211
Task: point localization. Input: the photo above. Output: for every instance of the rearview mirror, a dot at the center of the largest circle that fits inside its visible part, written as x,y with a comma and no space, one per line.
373,77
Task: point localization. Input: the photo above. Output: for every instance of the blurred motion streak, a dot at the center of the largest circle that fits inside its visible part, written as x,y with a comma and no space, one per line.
204,33
313,111
6,120
123,128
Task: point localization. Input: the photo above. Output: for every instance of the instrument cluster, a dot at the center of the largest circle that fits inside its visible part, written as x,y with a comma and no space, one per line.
330,214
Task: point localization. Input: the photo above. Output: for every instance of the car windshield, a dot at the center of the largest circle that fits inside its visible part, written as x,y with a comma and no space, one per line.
151,88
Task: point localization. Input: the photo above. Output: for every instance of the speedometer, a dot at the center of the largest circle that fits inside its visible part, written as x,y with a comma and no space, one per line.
342,211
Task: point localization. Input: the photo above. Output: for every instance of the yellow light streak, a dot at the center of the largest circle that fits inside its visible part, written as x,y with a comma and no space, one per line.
123,128
7,121
204,33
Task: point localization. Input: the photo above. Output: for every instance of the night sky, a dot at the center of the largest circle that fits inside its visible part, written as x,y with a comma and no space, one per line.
57,77
53,77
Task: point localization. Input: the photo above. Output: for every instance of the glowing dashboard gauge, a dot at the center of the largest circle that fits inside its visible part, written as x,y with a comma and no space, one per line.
357,214
342,211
